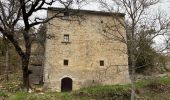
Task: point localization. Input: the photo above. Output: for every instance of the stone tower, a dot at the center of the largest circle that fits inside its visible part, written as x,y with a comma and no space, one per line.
81,53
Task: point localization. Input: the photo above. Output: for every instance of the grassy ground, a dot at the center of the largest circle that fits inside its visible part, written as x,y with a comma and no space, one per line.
156,89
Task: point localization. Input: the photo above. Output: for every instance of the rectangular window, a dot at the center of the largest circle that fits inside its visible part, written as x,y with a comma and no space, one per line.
66,62
66,15
101,62
66,37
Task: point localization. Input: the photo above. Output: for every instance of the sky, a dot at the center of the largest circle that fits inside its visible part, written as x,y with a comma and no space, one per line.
94,5
160,40
164,5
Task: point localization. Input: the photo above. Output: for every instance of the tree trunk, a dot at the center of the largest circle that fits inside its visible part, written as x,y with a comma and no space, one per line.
25,61
132,84
7,61
26,84
133,78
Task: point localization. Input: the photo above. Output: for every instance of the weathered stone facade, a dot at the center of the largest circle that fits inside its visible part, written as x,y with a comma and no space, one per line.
86,50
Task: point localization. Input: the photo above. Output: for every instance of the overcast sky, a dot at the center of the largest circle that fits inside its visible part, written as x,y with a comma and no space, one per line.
164,5
94,5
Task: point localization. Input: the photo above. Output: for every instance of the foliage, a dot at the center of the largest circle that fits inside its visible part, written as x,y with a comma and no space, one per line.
144,53
41,35
163,80
146,59
2,94
106,92
115,92
162,62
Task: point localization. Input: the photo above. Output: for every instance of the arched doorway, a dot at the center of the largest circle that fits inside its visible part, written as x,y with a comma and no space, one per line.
66,84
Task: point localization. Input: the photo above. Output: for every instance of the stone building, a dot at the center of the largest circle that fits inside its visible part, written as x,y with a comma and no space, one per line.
79,54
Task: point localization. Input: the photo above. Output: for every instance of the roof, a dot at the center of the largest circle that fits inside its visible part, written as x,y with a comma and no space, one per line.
88,11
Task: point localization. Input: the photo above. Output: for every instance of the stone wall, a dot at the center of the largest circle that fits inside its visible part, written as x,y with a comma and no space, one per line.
87,46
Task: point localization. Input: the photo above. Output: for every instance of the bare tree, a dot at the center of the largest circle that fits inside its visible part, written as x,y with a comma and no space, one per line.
137,20
17,17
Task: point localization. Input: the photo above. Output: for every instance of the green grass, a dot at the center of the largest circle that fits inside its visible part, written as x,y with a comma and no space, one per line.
160,80
105,89
142,83
105,92
18,96
2,94
164,80
114,92
37,96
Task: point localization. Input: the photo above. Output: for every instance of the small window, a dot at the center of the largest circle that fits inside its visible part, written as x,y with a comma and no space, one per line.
66,62
66,37
66,13
101,62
